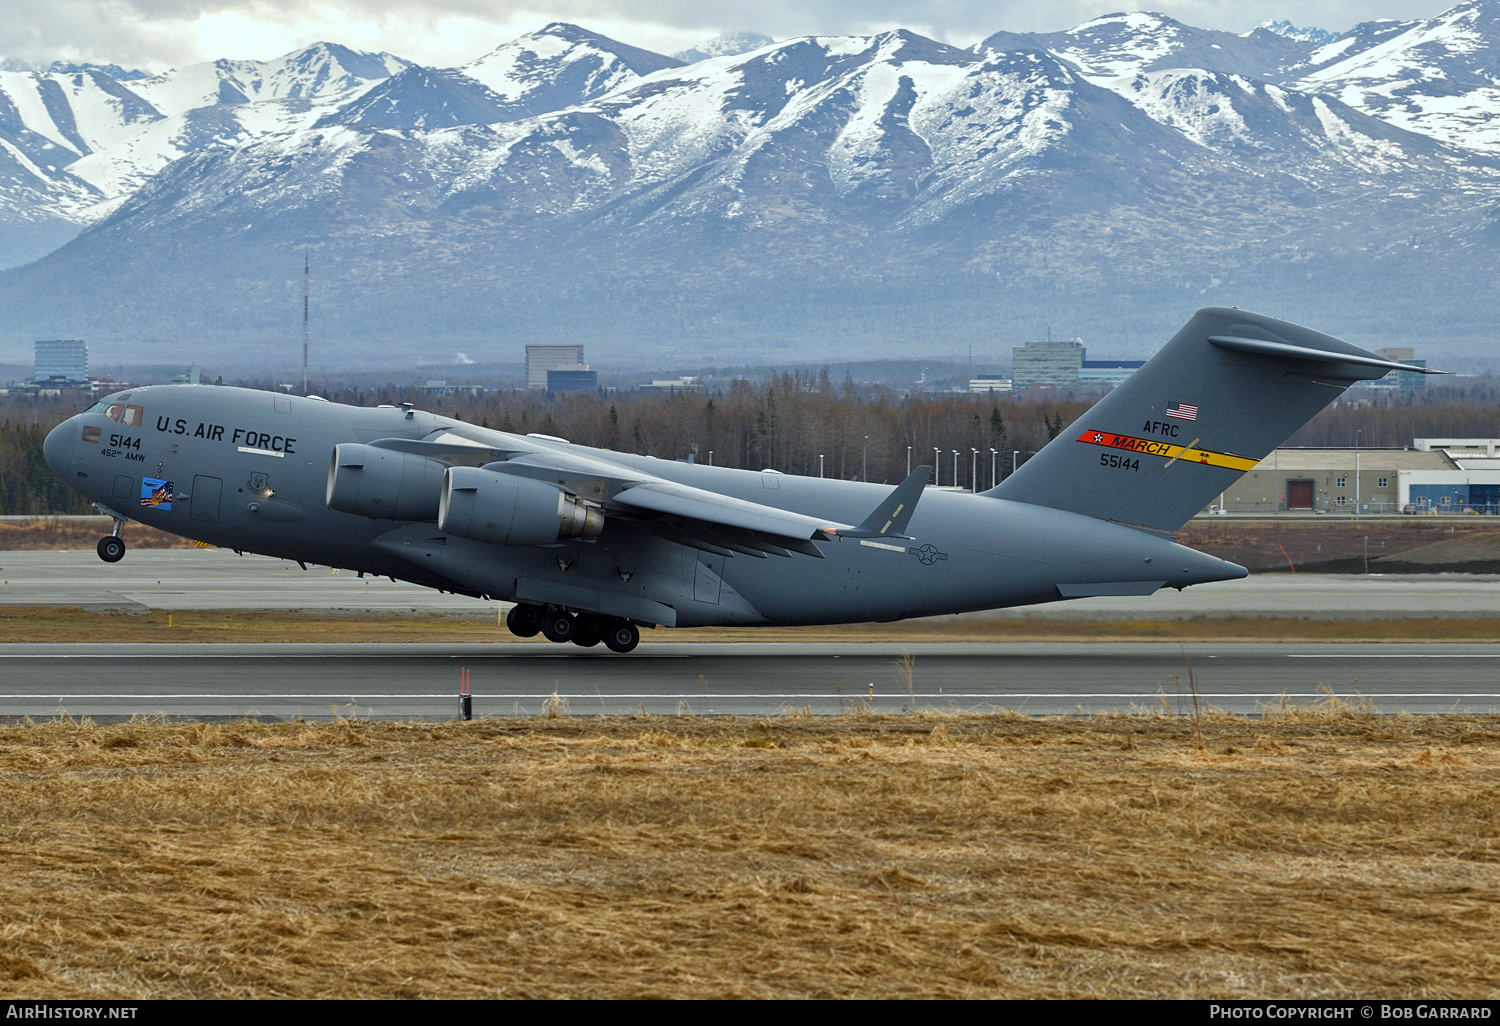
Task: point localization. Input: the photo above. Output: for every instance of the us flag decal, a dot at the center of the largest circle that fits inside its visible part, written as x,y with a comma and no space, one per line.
1183,411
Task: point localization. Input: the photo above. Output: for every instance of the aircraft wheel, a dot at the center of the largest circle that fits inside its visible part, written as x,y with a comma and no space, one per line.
590,631
111,549
559,627
524,621
622,636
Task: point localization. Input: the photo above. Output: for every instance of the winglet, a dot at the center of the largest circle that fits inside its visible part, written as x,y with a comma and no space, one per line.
891,517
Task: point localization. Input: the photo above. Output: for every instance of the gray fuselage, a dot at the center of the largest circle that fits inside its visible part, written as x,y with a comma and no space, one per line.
248,471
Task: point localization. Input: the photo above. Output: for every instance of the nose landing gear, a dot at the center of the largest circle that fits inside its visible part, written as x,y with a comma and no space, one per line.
112,548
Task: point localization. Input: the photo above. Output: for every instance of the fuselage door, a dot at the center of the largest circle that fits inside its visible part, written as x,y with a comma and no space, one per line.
705,583
205,502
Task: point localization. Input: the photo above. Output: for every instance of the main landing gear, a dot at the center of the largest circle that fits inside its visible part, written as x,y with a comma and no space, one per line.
584,629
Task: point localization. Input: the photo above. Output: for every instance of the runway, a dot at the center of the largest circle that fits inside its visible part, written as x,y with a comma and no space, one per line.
107,682
171,580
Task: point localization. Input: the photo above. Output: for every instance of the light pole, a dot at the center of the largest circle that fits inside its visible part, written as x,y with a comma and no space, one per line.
993,453
908,461
937,466
1356,473
1013,454
710,457
955,468
974,470
820,464
864,460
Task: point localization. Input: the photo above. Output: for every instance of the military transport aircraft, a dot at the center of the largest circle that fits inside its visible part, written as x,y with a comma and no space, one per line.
592,544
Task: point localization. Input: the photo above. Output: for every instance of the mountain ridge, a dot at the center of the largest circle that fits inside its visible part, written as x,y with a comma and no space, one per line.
874,192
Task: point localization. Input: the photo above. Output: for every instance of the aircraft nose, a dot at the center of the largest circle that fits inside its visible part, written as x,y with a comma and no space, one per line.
57,449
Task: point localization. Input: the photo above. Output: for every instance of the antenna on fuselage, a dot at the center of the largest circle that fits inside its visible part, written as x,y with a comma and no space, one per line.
305,265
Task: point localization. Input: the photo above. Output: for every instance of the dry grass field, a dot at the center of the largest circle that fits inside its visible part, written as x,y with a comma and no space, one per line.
1313,853
80,533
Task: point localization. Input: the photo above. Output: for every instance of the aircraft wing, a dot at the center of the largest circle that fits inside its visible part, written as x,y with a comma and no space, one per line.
684,513
725,511
697,516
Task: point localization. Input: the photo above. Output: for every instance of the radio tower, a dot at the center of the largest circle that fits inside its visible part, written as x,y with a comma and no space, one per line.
304,320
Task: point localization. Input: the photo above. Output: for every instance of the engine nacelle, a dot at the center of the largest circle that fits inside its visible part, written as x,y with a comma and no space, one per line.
383,483
509,510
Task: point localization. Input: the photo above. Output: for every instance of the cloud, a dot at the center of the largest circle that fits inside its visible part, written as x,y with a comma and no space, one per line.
157,34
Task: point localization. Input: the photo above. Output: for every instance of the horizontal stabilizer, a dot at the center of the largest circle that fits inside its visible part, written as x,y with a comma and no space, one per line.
1261,347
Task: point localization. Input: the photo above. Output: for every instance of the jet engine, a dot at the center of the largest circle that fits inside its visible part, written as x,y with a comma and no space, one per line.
509,510
383,484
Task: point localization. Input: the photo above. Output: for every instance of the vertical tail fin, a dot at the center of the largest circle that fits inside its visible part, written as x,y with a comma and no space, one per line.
1226,390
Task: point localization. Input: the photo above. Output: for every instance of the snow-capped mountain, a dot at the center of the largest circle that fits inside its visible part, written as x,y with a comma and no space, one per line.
559,66
1440,77
870,189
1307,137
1285,28
313,73
728,44
1120,45
422,98
76,141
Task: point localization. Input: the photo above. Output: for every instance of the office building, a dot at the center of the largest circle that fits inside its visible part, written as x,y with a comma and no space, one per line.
572,379
1108,372
541,359
985,383
1047,363
62,361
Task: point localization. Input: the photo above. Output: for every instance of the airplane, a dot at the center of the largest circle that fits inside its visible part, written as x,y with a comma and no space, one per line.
590,545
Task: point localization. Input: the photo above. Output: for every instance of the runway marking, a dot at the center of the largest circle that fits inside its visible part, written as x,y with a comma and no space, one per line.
1398,655
382,656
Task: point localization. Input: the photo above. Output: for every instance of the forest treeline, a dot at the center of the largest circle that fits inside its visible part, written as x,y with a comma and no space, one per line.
785,423
27,484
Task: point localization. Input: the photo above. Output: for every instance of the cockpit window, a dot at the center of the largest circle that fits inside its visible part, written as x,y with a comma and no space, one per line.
96,408
133,416
113,412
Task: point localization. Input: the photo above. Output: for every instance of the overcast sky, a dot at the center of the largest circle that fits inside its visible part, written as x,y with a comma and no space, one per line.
157,34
